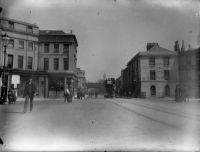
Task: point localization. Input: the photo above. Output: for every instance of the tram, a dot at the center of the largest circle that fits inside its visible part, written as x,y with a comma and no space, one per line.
109,88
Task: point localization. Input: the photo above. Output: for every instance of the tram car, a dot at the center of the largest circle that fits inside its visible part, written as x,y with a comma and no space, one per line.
109,88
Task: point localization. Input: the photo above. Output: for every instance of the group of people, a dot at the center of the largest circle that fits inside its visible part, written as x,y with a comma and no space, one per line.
30,92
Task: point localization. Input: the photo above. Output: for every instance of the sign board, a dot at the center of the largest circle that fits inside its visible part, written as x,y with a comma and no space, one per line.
15,79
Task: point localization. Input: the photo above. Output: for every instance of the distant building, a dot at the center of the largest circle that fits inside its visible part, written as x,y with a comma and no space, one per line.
189,68
57,57
81,79
153,73
95,87
21,60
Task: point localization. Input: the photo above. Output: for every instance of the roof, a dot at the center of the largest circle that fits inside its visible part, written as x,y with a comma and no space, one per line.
56,36
52,32
192,51
19,22
156,50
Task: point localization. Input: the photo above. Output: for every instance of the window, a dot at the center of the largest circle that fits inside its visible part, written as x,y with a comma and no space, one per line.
166,75
46,48
10,61
11,43
66,49
20,61
166,61
153,90
56,64
21,44
29,29
66,63
56,48
152,61
152,75
30,62
46,64
30,46
11,25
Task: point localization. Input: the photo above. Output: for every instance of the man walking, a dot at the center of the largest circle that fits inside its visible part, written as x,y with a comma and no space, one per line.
29,92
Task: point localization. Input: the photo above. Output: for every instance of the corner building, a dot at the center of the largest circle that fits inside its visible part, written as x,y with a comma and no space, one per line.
58,58
153,73
21,58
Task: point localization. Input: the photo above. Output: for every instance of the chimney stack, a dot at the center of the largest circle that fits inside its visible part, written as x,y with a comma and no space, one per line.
71,32
183,46
176,47
150,45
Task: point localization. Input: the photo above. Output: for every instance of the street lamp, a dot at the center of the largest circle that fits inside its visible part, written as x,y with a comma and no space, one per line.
5,41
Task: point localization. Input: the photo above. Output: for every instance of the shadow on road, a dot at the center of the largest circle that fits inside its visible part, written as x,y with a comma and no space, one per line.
16,112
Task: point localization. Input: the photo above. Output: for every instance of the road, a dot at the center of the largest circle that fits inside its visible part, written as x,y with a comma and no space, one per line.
99,124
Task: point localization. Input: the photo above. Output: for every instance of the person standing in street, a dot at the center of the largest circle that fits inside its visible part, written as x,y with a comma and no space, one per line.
29,92
66,95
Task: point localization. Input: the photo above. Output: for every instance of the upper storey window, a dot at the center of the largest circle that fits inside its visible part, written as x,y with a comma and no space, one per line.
56,48
29,29
166,61
46,48
66,49
152,61
11,25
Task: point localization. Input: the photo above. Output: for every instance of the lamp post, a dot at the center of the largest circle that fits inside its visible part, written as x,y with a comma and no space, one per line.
5,41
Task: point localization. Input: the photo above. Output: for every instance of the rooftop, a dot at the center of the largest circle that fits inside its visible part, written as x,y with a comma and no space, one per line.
52,32
156,50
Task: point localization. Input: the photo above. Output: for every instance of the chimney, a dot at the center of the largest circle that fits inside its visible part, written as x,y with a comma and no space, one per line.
150,45
176,47
71,32
183,46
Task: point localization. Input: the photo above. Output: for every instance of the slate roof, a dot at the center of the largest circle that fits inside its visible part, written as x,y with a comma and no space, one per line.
157,50
56,36
52,32
192,51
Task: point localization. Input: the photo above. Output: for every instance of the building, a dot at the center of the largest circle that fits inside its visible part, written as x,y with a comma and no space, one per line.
153,73
58,58
81,79
21,58
93,88
189,71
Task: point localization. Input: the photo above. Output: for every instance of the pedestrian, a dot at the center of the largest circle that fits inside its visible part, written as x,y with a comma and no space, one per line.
66,95
29,92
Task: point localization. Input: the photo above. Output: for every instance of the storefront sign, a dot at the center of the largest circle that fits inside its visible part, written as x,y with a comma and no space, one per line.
15,79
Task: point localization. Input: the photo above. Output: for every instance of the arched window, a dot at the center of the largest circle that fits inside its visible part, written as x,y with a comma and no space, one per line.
153,90
167,91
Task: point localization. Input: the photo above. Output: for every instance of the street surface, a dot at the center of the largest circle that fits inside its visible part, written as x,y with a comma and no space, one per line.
102,124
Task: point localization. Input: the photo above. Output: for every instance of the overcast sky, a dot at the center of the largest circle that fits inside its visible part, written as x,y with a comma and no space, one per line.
111,32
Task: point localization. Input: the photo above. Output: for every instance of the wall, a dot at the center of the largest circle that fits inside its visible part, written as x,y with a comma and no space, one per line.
159,81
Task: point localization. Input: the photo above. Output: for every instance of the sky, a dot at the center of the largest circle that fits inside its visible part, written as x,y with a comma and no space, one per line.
111,32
